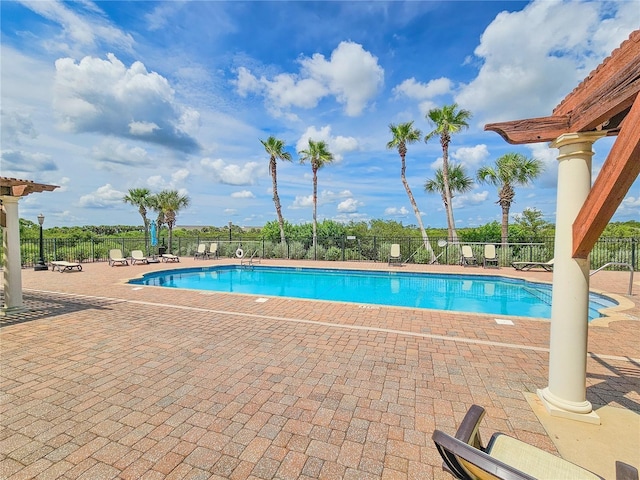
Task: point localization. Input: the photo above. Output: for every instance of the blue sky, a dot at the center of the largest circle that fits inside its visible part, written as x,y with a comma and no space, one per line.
101,97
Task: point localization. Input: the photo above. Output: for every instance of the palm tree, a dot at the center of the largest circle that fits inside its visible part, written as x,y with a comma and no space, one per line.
403,134
447,121
275,149
509,170
168,203
139,197
318,155
459,182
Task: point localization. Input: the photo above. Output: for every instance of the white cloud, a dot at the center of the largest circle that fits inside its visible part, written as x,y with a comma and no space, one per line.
396,212
423,91
473,198
112,151
142,128
531,60
324,197
302,202
243,194
350,205
104,96
157,182
104,197
471,157
21,161
17,126
232,174
352,75
80,28
336,145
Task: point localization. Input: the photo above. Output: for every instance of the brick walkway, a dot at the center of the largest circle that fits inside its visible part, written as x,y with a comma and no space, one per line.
103,380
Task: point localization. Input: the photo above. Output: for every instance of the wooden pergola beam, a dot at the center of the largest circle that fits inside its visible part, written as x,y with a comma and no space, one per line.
531,130
620,170
616,95
627,55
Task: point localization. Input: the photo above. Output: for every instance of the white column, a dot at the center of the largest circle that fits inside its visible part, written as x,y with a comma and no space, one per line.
12,272
566,394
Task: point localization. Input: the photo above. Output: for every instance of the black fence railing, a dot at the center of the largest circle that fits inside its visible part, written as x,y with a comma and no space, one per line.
346,248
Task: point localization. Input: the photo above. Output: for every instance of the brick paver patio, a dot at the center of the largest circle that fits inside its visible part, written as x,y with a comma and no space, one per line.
101,379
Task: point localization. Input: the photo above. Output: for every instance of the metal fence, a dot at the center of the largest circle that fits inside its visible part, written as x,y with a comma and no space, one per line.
346,248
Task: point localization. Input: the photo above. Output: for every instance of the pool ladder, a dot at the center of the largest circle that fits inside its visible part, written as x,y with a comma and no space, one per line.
620,264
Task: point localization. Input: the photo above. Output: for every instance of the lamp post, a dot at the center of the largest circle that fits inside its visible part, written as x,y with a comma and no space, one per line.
230,224
41,265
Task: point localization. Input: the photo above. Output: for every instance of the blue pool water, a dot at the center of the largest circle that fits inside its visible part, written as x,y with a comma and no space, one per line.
462,293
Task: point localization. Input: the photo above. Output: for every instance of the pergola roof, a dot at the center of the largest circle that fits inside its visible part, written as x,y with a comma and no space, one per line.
15,187
606,101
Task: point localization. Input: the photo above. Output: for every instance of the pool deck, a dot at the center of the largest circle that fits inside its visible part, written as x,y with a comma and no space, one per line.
101,379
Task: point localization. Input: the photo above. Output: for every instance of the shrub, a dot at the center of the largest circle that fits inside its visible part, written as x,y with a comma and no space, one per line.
296,251
333,254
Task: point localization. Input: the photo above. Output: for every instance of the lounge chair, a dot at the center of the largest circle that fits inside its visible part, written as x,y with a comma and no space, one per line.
213,250
490,256
169,257
548,266
468,259
201,252
505,457
115,256
138,257
395,257
62,266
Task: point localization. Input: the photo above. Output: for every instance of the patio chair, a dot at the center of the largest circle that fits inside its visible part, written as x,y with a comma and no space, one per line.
468,259
115,256
505,457
213,250
522,266
138,257
490,256
395,257
63,266
201,252
169,257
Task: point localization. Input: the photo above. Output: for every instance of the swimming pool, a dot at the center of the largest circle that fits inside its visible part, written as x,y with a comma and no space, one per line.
463,293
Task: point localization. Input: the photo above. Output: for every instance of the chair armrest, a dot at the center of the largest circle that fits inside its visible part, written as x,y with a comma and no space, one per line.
625,471
468,431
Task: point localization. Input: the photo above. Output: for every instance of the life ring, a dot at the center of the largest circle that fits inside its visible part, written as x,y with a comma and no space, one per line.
239,253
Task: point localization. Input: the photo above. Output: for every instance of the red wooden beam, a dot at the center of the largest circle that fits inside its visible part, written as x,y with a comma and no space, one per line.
620,170
531,130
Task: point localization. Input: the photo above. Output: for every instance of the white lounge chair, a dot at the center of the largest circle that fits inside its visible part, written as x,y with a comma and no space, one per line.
395,257
62,266
490,256
138,257
169,257
521,266
468,259
201,252
115,256
213,250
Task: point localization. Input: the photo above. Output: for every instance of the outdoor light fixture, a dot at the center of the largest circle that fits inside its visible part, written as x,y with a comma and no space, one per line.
41,265
230,223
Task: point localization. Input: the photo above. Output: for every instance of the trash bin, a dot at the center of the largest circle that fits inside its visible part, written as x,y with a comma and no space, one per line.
162,250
